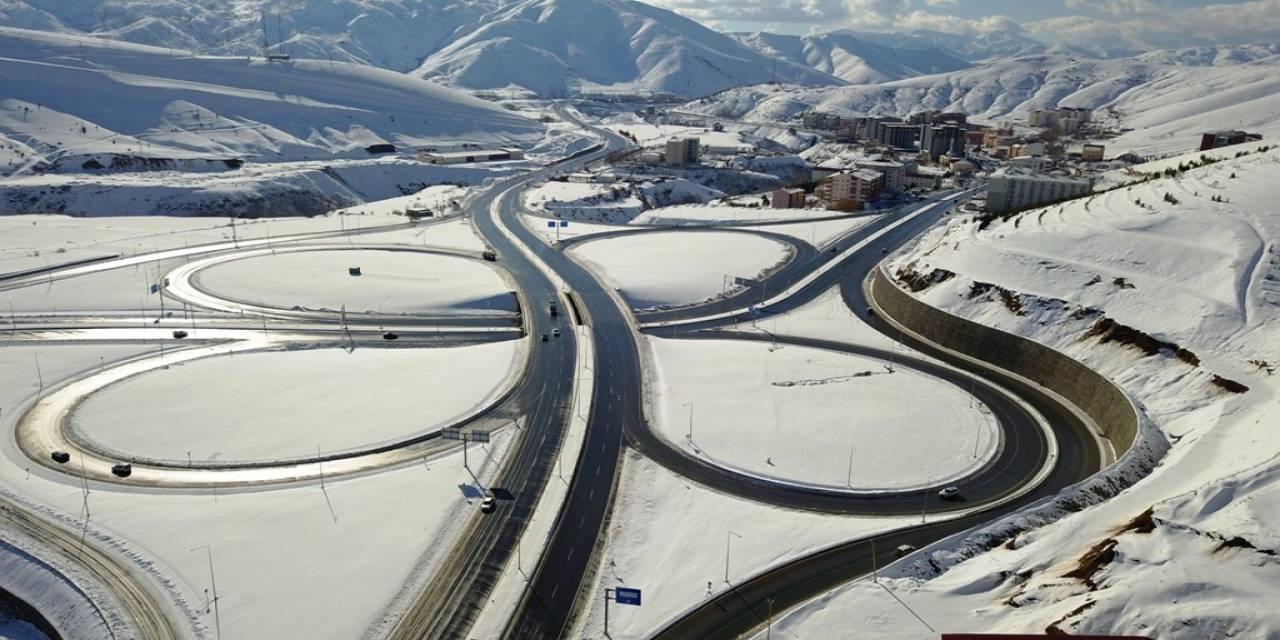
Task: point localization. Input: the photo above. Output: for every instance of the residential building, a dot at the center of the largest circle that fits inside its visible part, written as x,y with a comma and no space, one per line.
942,140
868,127
1093,153
464,157
682,151
1043,118
898,135
1033,149
1035,164
819,120
1220,139
850,189
787,199
893,172
923,178
1016,189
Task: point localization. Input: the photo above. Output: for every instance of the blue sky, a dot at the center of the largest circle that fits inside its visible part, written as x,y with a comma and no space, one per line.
1140,24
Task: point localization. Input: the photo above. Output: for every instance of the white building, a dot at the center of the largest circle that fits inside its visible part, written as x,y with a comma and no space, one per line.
1015,190
894,172
682,151
475,155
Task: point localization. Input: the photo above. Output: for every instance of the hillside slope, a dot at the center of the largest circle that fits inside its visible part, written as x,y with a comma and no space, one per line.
852,59
548,46
69,99
1153,95
553,47
1122,280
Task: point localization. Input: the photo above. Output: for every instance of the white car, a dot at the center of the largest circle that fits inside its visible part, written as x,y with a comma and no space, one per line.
949,493
488,504
904,550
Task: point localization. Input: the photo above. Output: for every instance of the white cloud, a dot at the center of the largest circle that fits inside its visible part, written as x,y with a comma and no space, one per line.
1145,24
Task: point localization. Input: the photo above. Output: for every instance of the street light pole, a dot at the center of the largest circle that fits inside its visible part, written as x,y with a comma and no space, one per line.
729,533
213,581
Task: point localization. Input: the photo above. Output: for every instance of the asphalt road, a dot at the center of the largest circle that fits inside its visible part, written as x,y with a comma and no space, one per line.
745,606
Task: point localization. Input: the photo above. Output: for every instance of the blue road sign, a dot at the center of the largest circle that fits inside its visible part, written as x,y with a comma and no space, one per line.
551,224
624,595
564,223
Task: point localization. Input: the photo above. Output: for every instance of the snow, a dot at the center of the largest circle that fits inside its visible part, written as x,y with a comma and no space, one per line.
275,551
1201,274
678,268
584,201
817,418
294,403
667,536
392,282
729,216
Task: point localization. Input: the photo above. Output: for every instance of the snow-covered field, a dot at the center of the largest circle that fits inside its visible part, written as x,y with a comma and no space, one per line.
289,404
817,418
1201,274
669,536
677,268
391,282
304,540
693,215
585,202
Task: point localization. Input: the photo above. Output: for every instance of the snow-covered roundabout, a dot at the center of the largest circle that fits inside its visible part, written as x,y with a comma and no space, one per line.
278,405
399,281
817,418
676,268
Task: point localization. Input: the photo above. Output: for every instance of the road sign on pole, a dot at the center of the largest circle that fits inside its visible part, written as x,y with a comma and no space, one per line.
551,224
625,595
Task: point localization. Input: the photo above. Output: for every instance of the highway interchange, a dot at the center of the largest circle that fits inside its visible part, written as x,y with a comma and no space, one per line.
1046,446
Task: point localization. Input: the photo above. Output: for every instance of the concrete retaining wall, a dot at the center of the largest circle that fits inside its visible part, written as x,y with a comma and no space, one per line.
1090,391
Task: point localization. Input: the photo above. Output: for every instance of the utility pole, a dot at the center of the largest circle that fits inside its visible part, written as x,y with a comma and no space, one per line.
768,625
690,436
213,580
849,479
729,533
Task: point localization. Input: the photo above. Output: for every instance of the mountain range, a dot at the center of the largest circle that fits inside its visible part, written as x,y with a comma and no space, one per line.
547,47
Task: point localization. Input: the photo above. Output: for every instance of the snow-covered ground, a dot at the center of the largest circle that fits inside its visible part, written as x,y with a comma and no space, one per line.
290,404
668,537
692,215
677,268
391,282
273,551
816,418
585,202
1187,551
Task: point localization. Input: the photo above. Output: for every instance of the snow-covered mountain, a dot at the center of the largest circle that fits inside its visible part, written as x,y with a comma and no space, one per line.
1160,95
853,59
68,97
550,47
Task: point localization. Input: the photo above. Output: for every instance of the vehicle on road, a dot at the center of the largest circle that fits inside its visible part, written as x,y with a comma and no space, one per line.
490,255
179,334
60,457
544,337
904,550
123,470
949,493
551,307
488,504
870,311
390,335
555,333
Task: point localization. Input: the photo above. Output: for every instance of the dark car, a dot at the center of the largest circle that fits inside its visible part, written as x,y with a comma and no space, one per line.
390,335
179,334
544,337
123,470
60,457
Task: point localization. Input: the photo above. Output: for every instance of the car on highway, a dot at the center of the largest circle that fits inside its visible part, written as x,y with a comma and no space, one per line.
179,334
60,457
555,333
544,337
949,493
488,504
870,311
904,550
123,470
390,335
